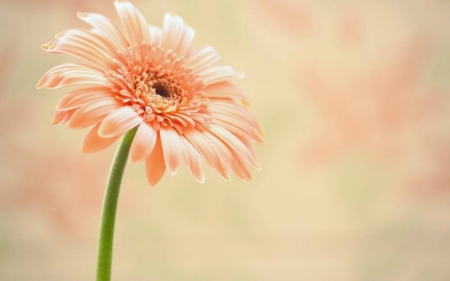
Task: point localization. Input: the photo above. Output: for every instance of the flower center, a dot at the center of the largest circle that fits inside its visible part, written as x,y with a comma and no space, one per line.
162,89
159,87
156,91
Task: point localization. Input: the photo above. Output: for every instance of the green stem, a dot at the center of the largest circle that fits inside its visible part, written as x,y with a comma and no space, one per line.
105,242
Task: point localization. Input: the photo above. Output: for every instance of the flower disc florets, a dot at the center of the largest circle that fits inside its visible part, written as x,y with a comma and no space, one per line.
159,87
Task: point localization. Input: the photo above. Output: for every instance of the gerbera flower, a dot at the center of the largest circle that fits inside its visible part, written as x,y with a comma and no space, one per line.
185,108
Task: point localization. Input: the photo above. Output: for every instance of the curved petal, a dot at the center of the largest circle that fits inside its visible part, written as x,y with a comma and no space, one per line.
203,58
185,41
70,45
239,168
80,97
171,144
219,73
223,90
155,35
239,116
176,35
213,151
172,30
235,144
68,74
62,116
93,112
231,159
237,128
155,166
94,143
193,160
118,122
143,143
106,28
93,40
135,24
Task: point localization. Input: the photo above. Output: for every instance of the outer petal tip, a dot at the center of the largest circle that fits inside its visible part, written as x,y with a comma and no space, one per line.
81,15
118,122
155,166
201,180
172,171
153,182
143,143
62,117
87,150
119,3
171,144
174,17
245,102
49,45
94,143
105,131
133,160
41,83
84,150
240,74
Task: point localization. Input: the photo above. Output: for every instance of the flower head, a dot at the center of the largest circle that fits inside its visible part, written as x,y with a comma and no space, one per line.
185,108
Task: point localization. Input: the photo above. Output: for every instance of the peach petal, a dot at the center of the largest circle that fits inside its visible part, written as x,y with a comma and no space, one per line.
76,78
143,143
238,167
118,122
93,112
219,73
231,159
155,35
71,74
154,165
134,22
203,58
211,151
89,39
62,116
172,31
247,143
193,160
94,143
80,97
185,41
106,28
235,112
237,128
224,90
236,119
171,144
85,51
235,144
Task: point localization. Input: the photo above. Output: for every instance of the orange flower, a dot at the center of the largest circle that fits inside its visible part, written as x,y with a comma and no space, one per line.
184,107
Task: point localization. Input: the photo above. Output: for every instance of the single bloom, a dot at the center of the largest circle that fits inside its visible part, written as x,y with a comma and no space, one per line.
185,107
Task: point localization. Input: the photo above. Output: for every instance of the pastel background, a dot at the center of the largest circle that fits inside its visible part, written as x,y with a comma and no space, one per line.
354,96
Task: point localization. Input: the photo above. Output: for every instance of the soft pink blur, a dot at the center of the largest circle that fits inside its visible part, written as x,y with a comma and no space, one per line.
370,108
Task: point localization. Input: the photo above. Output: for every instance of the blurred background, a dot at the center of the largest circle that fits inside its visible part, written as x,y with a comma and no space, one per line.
354,96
